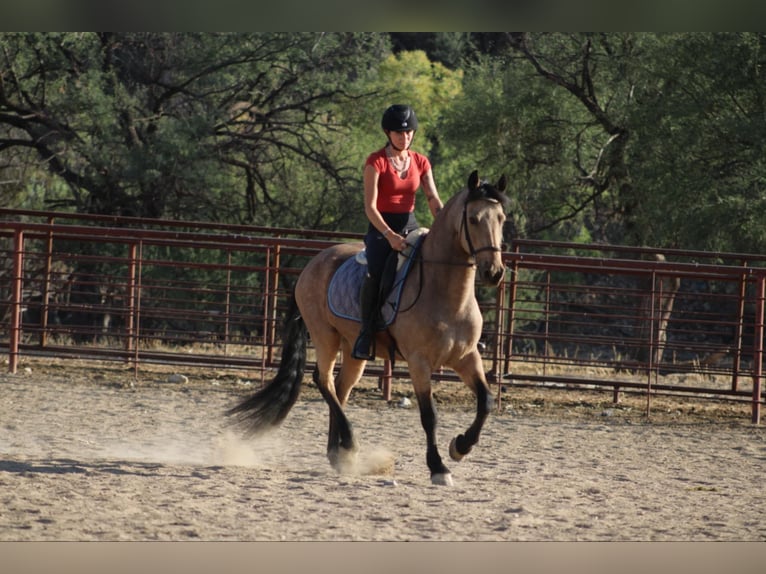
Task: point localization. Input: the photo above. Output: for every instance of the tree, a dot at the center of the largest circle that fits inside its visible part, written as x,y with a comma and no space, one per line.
447,48
642,139
700,113
509,121
593,70
227,127
407,77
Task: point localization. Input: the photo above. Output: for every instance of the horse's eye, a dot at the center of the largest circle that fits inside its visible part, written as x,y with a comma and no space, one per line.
473,220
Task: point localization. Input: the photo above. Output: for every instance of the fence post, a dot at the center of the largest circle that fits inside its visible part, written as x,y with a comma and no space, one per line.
495,375
130,290
46,291
739,330
18,274
268,325
651,366
227,305
137,322
508,343
758,348
274,303
384,382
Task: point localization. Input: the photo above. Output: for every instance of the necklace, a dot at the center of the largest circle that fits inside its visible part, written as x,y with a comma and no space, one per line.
399,164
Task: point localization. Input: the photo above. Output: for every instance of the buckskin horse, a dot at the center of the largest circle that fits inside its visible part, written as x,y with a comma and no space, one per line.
438,324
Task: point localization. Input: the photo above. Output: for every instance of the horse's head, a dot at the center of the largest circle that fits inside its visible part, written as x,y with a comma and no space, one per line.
482,226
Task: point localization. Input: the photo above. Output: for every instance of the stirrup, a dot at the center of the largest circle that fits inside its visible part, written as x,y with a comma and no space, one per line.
364,352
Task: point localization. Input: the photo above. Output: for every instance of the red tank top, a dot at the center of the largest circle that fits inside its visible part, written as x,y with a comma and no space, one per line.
397,195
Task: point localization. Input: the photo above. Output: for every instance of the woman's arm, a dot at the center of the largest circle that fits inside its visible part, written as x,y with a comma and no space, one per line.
432,194
371,209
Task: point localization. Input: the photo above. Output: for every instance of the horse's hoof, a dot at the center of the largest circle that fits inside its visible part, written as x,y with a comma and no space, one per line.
442,479
453,452
343,460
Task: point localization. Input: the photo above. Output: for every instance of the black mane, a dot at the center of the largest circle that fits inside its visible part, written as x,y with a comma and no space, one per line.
482,189
488,191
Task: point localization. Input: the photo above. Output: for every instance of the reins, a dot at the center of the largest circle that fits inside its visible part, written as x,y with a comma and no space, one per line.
420,284
472,253
471,249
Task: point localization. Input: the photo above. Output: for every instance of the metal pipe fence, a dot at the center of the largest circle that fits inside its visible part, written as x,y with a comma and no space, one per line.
566,315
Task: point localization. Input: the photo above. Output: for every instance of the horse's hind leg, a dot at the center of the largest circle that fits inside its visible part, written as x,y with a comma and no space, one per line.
341,446
472,374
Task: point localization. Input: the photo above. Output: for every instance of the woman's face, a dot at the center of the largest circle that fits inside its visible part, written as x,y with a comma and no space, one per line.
401,140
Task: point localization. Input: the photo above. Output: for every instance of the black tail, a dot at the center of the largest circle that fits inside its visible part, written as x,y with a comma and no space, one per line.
270,405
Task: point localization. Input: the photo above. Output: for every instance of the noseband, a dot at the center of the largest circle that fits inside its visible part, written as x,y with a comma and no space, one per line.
471,249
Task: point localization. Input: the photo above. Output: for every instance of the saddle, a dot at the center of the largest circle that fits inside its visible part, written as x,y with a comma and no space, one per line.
346,283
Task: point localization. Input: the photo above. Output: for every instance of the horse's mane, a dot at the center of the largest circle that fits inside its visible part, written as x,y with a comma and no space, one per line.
481,189
485,190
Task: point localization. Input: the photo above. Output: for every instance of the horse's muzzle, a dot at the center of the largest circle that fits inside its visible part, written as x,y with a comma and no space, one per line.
490,274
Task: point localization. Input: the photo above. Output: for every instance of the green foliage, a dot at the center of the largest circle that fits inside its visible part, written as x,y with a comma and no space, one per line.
653,139
228,127
407,77
507,122
637,138
698,154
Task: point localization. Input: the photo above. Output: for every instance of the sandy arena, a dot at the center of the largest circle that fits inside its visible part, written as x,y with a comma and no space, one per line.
88,453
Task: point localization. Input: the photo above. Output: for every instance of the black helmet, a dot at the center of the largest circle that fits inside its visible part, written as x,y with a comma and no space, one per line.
399,118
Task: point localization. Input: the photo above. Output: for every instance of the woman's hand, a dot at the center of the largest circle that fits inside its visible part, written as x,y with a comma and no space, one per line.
396,241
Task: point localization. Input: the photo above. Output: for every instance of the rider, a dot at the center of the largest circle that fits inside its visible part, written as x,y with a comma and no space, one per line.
392,175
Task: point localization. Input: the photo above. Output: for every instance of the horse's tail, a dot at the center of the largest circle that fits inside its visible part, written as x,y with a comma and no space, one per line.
270,405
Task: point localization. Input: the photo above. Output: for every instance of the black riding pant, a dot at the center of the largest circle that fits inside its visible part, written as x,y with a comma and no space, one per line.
377,247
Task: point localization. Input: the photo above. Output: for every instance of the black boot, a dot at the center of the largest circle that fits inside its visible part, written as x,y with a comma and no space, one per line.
364,348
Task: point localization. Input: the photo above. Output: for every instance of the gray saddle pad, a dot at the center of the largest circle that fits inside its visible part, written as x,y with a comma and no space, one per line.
346,283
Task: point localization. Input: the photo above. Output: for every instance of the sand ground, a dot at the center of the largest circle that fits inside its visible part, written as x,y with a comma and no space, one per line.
89,453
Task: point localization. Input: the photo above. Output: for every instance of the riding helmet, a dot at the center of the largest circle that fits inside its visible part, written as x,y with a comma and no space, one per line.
399,118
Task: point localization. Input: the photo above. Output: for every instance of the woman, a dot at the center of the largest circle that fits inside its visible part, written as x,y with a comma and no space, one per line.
392,176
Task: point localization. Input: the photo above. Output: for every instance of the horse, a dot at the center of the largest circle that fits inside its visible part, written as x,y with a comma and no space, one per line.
438,325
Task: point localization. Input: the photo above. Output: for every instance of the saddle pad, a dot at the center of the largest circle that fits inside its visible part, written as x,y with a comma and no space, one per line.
346,283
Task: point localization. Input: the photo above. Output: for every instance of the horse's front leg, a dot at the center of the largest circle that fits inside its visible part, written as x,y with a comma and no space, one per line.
472,374
440,474
421,380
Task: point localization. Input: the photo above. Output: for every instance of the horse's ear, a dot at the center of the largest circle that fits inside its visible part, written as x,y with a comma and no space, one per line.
473,180
502,183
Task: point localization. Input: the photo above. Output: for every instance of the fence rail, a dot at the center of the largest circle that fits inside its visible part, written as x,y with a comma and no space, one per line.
566,315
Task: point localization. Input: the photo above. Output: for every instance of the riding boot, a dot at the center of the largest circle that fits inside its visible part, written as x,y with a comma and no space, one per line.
364,348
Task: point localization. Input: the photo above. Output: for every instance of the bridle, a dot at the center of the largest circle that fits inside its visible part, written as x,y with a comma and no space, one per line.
473,252
471,249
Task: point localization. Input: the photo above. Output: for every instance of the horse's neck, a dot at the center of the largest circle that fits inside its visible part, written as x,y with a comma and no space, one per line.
447,265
